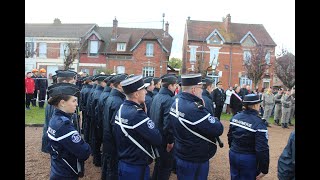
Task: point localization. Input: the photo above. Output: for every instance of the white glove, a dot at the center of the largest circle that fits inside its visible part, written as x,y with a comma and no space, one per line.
214,105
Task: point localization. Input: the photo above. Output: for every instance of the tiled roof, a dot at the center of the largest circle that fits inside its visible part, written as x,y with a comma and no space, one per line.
57,30
200,30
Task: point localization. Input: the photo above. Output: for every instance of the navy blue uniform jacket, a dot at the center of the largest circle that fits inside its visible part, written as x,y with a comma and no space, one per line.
144,132
188,146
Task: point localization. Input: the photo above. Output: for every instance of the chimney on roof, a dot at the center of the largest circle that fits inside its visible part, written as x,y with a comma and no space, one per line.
227,22
115,28
166,33
56,21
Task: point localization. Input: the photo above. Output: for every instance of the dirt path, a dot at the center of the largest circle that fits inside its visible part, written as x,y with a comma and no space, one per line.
37,164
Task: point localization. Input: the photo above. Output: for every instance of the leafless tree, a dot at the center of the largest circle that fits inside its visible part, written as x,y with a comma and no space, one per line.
255,63
70,54
285,68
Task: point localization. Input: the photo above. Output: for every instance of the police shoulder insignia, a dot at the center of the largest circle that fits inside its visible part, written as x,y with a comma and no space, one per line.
198,104
211,119
138,108
150,124
76,137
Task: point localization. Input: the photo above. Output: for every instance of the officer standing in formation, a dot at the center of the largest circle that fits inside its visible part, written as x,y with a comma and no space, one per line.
42,87
65,144
135,133
267,105
195,130
218,98
159,113
277,108
63,76
248,142
206,94
109,151
286,101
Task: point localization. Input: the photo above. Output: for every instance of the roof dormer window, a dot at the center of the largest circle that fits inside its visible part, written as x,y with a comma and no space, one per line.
121,47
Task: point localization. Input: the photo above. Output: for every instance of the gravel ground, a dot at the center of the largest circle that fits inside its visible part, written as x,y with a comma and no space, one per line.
37,164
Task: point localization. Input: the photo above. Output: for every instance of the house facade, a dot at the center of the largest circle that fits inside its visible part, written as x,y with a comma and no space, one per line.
45,44
219,49
126,50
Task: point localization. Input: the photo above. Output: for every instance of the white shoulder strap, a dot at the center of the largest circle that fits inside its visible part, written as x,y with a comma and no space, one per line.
131,138
195,133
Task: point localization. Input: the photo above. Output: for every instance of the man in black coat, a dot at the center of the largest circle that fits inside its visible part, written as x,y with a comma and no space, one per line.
218,98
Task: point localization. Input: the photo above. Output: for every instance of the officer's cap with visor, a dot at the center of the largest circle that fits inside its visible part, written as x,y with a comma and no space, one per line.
251,99
133,84
101,77
207,81
147,80
156,80
191,79
169,78
118,78
65,73
218,83
63,89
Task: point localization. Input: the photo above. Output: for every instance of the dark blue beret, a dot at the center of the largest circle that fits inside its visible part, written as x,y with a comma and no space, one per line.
63,89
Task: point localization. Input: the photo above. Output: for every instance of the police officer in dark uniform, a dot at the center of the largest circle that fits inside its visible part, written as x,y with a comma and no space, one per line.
35,94
149,95
62,77
42,87
195,130
96,138
135,133
65,144
109,151
206,96
84,94
218,98
248,142
159,113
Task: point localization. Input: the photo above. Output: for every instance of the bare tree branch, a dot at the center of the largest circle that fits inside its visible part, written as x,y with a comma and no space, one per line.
285,68
70,54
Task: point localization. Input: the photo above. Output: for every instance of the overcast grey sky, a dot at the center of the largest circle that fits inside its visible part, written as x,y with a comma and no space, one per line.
277,16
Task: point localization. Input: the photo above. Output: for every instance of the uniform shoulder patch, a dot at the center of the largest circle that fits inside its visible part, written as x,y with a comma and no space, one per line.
76,138
211,119
199,105
150,124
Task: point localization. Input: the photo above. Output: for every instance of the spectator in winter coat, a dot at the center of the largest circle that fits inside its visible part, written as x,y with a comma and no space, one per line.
29,89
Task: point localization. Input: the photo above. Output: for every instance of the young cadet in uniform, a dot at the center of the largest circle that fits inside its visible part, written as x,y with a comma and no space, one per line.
65,144
157,84
109,152
206,94
195,130
277,108
159,113
149,95
63,76
84,93
248,142
135,133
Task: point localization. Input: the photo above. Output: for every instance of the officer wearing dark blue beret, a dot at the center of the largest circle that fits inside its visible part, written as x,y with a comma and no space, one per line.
248,142
159,113
109,152
62,76
135,132
195,130
65,145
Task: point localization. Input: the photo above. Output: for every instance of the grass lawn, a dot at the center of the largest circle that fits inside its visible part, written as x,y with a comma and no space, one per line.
35,115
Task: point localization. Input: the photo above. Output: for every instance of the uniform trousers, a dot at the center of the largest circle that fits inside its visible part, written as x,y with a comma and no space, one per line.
242,166
163,164
187,170
128,171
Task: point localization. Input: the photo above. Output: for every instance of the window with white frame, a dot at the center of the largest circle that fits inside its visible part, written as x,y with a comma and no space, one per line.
43,50
193,53
245,80
148,71
121,46
149,49
63,47
121,69
267,57
246,56
93,48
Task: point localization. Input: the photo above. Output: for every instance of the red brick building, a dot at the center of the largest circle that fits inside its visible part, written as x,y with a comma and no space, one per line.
225,45
126,50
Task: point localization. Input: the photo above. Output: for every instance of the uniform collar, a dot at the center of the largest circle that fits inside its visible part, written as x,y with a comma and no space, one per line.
191,97
252,111
116,92
149,93
107,89
206,93
62,113
164,90
99,87
128,102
